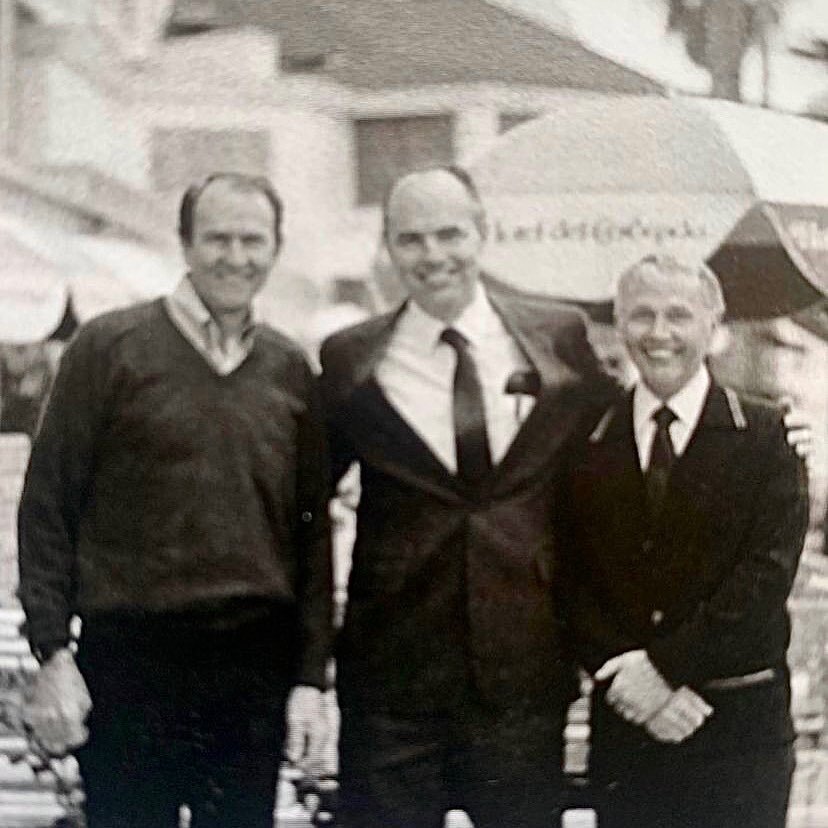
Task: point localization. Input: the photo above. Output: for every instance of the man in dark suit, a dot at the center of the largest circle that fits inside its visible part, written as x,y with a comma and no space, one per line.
451,675
681,524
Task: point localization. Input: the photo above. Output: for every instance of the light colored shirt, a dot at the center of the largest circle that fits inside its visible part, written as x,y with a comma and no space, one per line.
416,373
224,354
686,404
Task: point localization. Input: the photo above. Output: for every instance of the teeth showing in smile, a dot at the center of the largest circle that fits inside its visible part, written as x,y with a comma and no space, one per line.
658,354
235,277
436,278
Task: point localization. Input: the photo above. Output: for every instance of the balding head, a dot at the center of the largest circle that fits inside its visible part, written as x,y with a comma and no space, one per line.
433,231
444,172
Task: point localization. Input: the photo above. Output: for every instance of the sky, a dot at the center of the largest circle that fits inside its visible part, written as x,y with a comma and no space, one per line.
634,33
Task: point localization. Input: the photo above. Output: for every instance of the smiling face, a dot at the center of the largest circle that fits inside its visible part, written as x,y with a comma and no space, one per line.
434,240
233,247
667,325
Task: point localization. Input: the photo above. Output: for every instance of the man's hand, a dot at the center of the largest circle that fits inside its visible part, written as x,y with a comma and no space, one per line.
57,705
638,690
800,432
307,729
680,718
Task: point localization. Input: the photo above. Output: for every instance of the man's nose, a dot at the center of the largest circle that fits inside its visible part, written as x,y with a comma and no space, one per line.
660,326
234,253
433,249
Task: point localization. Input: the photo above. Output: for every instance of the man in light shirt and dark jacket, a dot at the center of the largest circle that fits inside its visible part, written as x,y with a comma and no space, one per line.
452,676
680,524
176,500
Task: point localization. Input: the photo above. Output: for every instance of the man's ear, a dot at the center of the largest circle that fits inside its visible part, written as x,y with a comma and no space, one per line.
186,252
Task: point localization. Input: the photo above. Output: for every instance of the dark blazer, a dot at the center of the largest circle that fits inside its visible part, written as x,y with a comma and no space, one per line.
703,586
448,583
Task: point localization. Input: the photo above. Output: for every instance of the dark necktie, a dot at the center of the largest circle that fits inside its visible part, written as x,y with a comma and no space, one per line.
662,458
474,459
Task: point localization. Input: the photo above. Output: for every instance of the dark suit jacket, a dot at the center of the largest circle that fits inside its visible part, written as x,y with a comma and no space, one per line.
449,584
702,587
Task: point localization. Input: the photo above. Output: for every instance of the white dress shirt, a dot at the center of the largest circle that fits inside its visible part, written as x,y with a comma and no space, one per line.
686,404
190,315
416,373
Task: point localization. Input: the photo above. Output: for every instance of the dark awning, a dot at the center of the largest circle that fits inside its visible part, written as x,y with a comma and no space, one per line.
775,261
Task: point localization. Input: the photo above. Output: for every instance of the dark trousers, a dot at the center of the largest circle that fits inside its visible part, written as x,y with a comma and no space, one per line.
745,790
406,771
188,715
735,772
725,776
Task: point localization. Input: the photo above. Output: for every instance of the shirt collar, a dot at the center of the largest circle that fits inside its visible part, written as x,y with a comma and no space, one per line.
478,318
476,322
420,327
188,302
686,403
185,298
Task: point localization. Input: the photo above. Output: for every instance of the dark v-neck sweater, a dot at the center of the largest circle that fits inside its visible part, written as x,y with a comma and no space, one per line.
158,485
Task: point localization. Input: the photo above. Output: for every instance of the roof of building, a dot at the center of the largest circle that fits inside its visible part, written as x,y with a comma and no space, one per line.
404,43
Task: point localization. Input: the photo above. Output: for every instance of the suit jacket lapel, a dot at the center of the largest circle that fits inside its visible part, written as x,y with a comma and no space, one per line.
705,468
614,463
531,331
699,481
390,441
558,406
366,348
384,435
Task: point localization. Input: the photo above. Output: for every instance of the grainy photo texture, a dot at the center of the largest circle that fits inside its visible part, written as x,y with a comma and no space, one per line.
413,413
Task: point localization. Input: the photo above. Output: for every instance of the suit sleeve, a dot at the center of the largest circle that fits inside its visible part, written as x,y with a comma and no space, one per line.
599,390
58,482
315,581
341,451
738,618
593,631
576,349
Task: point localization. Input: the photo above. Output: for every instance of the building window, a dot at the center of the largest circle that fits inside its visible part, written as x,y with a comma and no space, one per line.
193,17
304,62
388,147
513,119
182,156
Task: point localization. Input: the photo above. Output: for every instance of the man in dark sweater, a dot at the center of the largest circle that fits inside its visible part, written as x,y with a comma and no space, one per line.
176,500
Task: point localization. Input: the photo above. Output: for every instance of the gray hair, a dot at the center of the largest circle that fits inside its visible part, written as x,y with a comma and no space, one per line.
669,269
